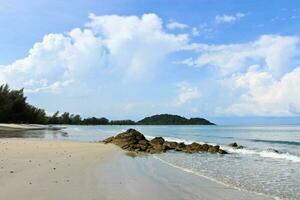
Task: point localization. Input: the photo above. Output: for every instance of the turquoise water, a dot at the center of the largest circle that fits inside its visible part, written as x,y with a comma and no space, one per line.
257,167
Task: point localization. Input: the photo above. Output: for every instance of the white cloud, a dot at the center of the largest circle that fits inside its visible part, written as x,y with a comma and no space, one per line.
265,95
270,51
176,25
260,77
187,93
122,46
229,18
195,31
256,78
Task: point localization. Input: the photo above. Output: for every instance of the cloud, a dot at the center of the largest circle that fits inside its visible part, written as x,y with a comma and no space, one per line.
253,78
265,95
121,47
176,25
187,93
273,52
114,56
229,18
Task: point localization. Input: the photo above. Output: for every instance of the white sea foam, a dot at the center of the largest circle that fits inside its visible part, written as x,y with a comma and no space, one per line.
262,153
207,177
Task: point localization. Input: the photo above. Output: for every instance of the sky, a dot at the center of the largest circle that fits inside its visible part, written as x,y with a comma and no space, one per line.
229,61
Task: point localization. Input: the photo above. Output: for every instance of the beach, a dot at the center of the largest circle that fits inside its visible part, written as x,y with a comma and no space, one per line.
44,170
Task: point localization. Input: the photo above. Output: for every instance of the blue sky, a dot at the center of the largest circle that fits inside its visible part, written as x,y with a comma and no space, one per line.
129,59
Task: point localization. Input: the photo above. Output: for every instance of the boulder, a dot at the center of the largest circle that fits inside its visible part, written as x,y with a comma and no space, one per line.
221,151
205,147
180,147
233,145
214,149
170,145
193,148
128,139
157,141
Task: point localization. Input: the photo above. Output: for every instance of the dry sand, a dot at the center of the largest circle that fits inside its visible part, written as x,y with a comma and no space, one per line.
48,170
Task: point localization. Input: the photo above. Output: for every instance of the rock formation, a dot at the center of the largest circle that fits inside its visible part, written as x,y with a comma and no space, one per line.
132,140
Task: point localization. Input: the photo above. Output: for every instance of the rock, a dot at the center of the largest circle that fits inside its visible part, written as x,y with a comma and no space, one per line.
128,139
221,151
214,149
143,145
134,141
157,149
193,148
273,150
108,140
171,145
180,146
157,141
205,147
233,145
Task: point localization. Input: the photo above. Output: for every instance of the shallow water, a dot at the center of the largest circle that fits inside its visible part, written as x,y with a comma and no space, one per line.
257,167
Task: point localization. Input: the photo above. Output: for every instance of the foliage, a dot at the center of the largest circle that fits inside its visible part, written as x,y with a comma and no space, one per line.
167,119
14,108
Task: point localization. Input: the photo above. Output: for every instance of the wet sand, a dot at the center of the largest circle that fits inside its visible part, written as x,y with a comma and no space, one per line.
147,178
46,170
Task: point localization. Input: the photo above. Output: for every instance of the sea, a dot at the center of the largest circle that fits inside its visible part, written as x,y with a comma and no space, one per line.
269,163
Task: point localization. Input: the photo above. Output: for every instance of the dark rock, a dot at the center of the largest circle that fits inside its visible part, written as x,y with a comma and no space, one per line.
108,140
273,150
180,146
221,151
134,141
205,147
193,148
128,139
171,145
233,145
143,145
214,149
157,141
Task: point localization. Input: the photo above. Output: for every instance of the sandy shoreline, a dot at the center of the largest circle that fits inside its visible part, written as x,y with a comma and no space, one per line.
45,170
38,169
24,127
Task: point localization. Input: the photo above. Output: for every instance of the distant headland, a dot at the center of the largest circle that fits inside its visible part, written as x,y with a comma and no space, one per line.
15,109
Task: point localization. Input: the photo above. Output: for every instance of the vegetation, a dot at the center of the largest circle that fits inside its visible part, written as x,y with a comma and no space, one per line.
166,119
15,109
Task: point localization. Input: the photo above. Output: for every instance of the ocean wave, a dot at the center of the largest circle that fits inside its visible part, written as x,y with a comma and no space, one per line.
174,139
276,141
265,154
210,178
262,153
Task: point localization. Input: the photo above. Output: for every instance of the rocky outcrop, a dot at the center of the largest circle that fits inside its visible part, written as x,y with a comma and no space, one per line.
235,145
132,140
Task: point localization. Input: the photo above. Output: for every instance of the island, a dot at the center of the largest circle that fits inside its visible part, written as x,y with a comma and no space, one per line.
167,119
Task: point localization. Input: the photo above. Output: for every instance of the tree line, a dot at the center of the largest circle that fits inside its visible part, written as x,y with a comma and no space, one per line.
15,109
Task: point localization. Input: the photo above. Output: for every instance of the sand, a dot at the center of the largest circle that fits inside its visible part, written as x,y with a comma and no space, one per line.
44,170
64,170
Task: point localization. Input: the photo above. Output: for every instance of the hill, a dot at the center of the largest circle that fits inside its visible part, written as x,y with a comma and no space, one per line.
167,119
